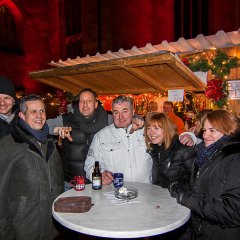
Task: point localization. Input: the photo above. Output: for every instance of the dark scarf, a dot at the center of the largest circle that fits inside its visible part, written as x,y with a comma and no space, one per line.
94,123
39,135
206,153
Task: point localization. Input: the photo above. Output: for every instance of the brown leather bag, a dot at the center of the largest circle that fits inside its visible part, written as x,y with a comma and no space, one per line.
79,204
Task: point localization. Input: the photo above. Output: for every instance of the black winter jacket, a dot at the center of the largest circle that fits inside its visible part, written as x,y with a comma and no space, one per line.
83,129
215,197
172,164
5,127
30,179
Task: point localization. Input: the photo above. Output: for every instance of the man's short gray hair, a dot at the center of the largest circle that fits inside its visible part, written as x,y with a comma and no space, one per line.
123,99
30,97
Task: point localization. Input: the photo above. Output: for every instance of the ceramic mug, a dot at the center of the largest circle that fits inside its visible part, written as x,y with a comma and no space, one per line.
78,183
118,180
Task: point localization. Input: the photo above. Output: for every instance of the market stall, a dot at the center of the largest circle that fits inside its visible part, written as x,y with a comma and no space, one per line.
153,69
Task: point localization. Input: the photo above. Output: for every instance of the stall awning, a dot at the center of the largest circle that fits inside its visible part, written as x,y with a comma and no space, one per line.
138,74
137,70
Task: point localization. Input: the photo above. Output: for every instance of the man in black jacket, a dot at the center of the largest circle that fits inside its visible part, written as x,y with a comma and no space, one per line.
31,176
7,101
87,118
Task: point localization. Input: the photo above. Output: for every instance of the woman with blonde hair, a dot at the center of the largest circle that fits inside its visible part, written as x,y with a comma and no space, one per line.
163,145
214,195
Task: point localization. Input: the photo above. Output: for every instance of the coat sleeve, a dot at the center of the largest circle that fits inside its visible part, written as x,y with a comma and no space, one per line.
180,165
94,154
224,210
6,171
54,122
4,130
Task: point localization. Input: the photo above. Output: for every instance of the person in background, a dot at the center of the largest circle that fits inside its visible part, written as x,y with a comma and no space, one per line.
119,150
164,146
152,106
77,129
8,115
31,175
168,108
194,135
214,194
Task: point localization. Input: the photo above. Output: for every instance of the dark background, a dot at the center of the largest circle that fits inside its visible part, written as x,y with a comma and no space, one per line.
32,33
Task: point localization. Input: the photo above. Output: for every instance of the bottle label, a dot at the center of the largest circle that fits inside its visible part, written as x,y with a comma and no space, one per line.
96,183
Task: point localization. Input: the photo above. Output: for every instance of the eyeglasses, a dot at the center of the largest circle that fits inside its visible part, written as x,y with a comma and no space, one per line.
88,101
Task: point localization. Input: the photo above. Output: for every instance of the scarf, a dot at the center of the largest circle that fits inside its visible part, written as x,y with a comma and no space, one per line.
94,123
7,118
39,135
206,153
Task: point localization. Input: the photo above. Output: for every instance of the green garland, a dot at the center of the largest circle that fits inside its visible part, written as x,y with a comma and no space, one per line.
220,65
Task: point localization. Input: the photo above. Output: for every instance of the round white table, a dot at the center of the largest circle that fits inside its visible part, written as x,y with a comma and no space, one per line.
153,212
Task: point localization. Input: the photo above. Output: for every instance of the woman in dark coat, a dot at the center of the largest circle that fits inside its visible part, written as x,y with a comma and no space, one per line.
166,150
214,198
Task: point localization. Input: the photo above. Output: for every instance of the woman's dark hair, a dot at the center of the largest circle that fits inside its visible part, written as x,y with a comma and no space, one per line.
224,121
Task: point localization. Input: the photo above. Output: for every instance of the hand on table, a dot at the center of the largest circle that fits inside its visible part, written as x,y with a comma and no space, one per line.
177,190
107,177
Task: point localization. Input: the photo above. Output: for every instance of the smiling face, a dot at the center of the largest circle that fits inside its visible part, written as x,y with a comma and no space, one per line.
87,104
122,114
155,134
6,104
35,115
210,134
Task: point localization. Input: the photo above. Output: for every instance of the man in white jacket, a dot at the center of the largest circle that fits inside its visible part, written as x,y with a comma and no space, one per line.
118,149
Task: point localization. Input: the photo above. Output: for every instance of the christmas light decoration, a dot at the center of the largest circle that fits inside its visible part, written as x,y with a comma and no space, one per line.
220,65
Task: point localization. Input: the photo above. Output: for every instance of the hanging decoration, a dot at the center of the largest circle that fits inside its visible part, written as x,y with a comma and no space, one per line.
64,99
217,91
220,66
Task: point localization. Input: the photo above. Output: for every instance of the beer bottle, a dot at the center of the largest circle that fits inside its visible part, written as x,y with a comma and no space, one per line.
96,177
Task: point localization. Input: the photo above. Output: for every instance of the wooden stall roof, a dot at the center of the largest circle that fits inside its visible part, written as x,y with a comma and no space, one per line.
152,68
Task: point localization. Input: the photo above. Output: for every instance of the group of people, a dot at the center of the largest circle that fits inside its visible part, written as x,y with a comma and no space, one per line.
204,178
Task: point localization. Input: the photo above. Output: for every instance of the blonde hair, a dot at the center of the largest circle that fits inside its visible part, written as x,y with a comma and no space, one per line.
163,121
224,121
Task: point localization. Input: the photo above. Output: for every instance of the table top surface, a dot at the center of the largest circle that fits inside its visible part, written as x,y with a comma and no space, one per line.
153,212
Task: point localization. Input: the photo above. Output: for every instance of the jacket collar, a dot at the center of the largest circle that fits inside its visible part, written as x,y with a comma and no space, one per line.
20,135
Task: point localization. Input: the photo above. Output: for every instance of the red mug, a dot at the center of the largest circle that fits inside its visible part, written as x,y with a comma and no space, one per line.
78,183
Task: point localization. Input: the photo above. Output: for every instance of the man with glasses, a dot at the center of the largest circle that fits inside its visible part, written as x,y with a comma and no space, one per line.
168,108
